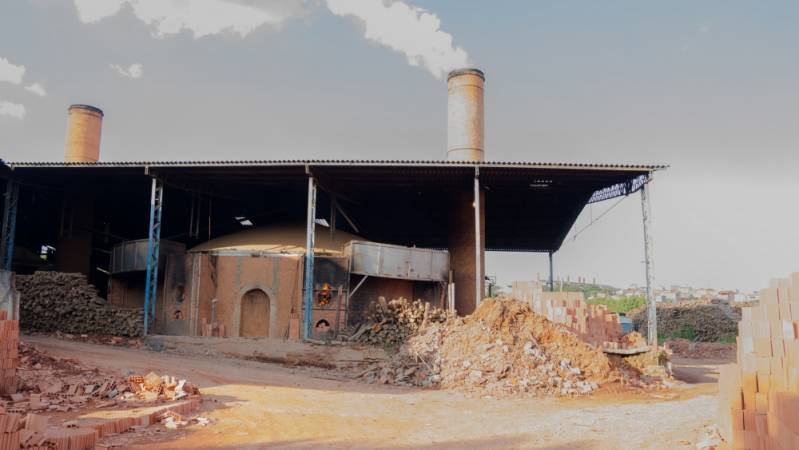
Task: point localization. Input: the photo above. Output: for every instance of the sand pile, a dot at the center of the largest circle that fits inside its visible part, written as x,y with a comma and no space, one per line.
503,348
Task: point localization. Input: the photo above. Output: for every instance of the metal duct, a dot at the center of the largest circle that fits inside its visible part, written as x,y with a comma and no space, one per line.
465,129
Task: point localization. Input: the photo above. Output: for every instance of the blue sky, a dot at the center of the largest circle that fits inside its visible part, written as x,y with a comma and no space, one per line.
709,88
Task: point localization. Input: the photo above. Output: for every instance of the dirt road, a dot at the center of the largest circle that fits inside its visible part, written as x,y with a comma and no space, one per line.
259,405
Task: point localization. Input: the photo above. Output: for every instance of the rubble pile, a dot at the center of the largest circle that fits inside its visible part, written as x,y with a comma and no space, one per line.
390,323
50,385
66,302
503,348
55,384
703,321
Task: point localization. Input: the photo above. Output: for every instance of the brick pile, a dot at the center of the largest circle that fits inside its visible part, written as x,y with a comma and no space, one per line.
9,348
591,323
759,396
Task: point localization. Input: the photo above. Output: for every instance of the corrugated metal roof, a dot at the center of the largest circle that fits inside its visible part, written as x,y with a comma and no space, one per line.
343,162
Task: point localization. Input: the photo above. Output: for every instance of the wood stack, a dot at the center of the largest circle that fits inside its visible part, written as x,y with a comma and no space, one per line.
702,320
390,323
9,354
759,396
66,302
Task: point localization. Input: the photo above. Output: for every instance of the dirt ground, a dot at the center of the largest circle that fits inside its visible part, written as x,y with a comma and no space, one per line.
257,405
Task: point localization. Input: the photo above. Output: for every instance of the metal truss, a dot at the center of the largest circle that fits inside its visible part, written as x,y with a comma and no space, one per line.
618,190
153,252
9,223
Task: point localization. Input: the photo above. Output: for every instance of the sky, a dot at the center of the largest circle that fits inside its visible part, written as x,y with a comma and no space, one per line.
709,88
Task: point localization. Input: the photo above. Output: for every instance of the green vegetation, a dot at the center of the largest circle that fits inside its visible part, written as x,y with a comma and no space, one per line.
685,332
620,305
588,290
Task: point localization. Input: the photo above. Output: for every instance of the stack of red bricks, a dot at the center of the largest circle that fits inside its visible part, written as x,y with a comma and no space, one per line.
9,354
759,396
591,323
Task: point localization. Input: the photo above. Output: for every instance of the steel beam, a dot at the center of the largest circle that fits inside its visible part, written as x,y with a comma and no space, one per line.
551,274
646,212
10,204
153,252
478,263
310,235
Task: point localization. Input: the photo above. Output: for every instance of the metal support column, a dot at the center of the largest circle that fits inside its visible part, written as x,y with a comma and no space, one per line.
153,252
309,256
646,212
551,274
478,263
9,223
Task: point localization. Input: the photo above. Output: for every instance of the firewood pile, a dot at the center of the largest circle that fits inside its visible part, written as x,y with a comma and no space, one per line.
703,321
66,302
502,349
390,323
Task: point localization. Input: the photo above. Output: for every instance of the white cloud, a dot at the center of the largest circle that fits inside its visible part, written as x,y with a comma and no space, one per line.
407,29
200,17
12,109
133,71
11,72
37,89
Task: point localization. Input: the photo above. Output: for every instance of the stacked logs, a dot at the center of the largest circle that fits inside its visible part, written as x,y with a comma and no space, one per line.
66,302
390,323
701,321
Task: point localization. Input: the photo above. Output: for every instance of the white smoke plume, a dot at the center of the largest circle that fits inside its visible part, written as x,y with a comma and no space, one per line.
407,29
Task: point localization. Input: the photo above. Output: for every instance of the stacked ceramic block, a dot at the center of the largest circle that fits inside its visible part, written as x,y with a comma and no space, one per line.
592,323
759,396
9,348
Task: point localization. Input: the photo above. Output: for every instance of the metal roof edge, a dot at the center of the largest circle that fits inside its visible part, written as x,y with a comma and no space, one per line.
345,162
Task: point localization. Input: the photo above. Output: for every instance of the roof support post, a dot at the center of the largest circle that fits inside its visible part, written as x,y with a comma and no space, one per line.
646,212
9,223
551,274
478,263
153,252
310,235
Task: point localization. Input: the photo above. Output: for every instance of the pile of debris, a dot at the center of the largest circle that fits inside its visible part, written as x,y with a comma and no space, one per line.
390,323
55,384
53,301
98,339
503,348
703,321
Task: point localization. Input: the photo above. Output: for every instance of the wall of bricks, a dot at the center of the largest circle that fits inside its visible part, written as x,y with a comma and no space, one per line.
591,323
759,395
9,354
